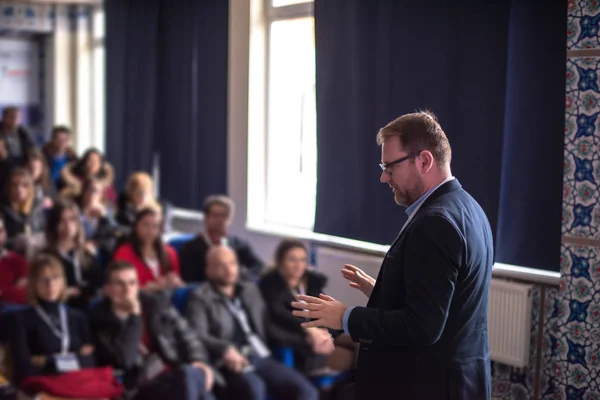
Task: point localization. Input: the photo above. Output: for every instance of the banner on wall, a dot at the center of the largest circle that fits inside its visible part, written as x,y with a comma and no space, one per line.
19,72
20,83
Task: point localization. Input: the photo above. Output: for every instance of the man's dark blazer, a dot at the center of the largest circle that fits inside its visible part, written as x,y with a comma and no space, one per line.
423,334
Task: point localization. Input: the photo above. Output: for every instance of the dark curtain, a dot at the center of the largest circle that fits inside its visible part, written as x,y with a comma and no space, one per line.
529,219
192,130
377,60
131,40
167,83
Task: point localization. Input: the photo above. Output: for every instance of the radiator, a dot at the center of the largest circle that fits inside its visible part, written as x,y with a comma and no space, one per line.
509,322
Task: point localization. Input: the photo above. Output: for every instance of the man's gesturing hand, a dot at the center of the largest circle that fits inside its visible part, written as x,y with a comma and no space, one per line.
326,311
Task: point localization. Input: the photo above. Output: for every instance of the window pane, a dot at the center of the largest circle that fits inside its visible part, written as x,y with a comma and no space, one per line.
98,24
98,135
281,3
291,140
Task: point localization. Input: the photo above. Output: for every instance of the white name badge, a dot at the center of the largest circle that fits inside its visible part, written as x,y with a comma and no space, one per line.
66,362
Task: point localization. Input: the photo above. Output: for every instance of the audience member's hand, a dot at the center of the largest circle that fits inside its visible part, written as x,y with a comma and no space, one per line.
358,279
73,291
97,211
86,350
209,376
159,284
91,247
173,280
234,361
38,360
3,150
48,202
320,340
22,282
133,306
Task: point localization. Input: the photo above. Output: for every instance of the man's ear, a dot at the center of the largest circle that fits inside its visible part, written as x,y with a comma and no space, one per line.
425,161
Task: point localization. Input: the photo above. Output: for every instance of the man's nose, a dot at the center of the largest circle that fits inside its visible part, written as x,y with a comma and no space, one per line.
385,177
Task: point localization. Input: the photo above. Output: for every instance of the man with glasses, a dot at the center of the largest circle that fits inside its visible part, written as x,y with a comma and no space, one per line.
423,333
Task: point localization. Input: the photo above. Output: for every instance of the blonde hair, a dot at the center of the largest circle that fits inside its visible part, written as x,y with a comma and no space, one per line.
36,267
142,180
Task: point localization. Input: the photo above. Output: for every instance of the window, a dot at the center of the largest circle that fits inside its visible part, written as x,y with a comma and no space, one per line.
282,186
98,88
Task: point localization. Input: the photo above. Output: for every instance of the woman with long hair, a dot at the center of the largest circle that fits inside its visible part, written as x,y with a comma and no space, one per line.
65,240
91,165
156,263
50,339
38,168
24,215
313,347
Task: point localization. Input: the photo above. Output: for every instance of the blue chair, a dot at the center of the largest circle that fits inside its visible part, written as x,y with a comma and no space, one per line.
180,297
178,241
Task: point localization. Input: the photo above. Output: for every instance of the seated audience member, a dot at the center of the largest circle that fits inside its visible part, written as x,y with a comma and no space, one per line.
24,216
65,241
91,165
142,335
58,153
48,338
17,139
139,194
280,286
13,273
156,263
232,321
218,212
99,226
44,190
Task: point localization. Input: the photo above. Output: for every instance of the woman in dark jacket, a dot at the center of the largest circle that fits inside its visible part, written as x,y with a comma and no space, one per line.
313,347
65,241
24,216
36,334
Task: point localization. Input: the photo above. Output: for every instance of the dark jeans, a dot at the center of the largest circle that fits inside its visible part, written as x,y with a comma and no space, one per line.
272,377
184,382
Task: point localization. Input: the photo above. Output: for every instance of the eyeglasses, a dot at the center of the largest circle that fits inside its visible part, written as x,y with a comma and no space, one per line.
387,167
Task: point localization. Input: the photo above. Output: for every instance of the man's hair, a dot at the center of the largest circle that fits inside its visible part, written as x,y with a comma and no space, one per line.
8,110
117,266
220,200
417,132
60,129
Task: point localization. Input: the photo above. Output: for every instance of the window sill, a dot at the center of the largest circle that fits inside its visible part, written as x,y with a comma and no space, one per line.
500,270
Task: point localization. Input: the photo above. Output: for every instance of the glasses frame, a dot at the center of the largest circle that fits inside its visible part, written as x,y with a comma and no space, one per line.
387,167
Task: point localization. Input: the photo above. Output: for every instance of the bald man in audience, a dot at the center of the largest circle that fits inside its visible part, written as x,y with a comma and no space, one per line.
230,317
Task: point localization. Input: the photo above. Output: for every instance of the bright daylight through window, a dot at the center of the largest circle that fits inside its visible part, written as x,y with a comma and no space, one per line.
289,140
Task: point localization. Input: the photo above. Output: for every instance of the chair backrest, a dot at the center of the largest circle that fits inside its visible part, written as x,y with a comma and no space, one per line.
178,241
180,297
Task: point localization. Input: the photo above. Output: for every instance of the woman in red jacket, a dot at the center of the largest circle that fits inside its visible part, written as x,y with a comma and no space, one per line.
13,273
156,263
